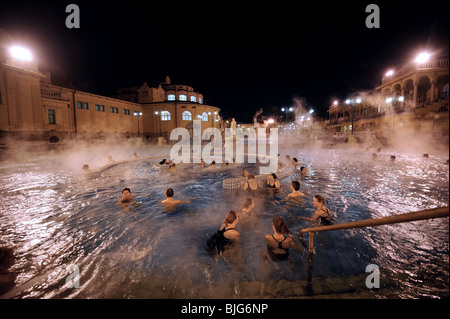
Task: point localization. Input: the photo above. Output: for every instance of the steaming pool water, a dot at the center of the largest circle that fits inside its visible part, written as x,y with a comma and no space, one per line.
54,217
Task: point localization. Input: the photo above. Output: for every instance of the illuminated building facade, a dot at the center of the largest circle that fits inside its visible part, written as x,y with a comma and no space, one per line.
33,108
411,99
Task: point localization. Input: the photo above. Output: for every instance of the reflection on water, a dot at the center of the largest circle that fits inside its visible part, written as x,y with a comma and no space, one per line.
53,217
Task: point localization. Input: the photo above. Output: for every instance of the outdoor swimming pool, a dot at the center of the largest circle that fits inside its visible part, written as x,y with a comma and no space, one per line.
54,217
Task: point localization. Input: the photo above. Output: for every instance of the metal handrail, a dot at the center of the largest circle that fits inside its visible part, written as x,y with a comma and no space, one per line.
400,218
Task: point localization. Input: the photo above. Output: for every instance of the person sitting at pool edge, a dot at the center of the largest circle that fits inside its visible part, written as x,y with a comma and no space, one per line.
321,213
171,204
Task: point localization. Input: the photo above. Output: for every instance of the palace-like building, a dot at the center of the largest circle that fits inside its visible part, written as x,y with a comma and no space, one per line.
33,108
412,98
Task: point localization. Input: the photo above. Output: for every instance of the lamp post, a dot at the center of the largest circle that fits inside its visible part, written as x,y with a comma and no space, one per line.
286,109
158,113
353,102
138,114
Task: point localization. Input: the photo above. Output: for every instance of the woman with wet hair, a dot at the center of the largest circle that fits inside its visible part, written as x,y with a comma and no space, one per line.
279,243
273,181
226,237
322,213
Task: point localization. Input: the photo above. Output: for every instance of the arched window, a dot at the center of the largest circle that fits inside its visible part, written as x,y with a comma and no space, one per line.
183,97
205,117
187,116
171,97
165,116
193,98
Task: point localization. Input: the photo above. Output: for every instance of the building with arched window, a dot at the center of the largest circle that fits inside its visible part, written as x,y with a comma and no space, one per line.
32,107
166,106
411,99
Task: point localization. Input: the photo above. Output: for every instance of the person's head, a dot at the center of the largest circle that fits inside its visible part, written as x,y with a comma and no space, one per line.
231,217
279,225
318,200
295,185
169,192
274,176
85,167
303,170
244,173
126,192
392,157
162,162
294,160
213,163
248,204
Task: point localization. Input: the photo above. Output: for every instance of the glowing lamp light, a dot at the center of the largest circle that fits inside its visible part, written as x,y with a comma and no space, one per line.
270,121
21,53
423,57
401,98
335,102
389,73
358,100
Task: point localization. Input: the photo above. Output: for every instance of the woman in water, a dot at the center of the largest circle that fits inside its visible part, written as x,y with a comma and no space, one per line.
273,181
227,236
251,184
278,244
321,213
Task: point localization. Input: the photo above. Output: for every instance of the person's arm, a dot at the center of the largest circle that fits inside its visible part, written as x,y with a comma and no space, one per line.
292,243
188,201
141,194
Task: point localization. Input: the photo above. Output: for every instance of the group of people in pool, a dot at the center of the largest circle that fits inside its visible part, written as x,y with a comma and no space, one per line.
228,234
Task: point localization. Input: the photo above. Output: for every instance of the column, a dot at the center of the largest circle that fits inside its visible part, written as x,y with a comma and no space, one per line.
415,95
433,84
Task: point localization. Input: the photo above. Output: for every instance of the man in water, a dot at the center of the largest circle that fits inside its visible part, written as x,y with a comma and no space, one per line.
127,198
170,204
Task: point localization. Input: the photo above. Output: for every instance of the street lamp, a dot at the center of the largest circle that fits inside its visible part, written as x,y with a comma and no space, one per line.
159,113
138,114
423,57
353,102
20,53
286,109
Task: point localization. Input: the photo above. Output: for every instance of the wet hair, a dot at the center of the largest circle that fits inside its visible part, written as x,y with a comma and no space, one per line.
247,202
302,168
320,199
231,217
162,162
295,185
392,157
295,159
126,189
280,225
213,162
169,192
274,175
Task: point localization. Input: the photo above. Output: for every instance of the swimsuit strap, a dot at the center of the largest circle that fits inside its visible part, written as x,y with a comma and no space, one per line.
280,242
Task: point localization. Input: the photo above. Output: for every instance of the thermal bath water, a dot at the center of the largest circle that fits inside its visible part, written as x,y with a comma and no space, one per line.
54,217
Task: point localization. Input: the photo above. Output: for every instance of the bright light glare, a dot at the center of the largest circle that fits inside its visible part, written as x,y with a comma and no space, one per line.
20,53
389,73
423,57
270,121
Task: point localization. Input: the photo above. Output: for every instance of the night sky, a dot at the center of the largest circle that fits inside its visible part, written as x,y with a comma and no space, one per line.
241,58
